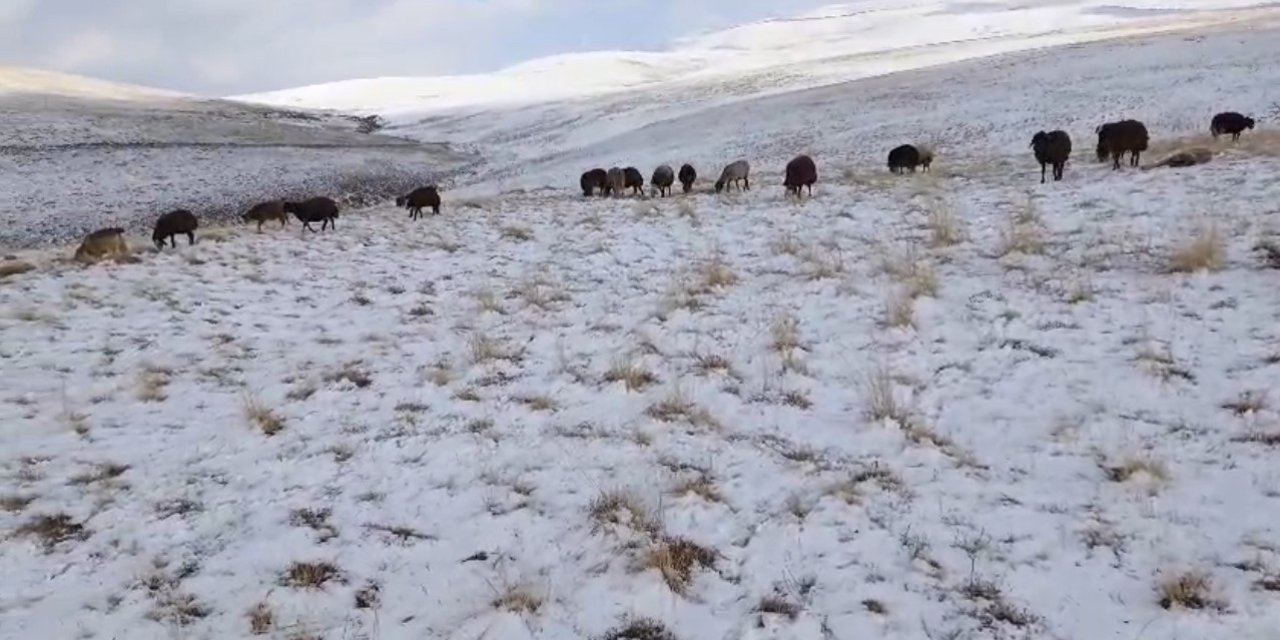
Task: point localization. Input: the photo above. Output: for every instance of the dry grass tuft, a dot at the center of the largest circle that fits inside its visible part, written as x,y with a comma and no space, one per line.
519,234
15,503
900,309
538,402
1130,468
617,508
945,229
779,606
262,620
676,559
14,267
1270,251
1027,238
639,629
315,519
52,530
1206,251
354,372
101,473
1190,590
787,244
486,349
879,401
152,382
717,273
518,599
311,575
1248,402
701,485
677,407
262,417
632,374
785,335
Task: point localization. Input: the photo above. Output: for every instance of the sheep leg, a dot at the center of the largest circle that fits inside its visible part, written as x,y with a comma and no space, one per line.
260,226
1042,172
435,210
307,226
191,239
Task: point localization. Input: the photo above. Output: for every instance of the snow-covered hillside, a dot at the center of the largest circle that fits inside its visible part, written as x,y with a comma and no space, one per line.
616,107
78,154
953,405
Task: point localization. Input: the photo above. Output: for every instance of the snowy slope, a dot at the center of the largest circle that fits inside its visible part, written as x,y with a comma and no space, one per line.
563,103
78,154
955,405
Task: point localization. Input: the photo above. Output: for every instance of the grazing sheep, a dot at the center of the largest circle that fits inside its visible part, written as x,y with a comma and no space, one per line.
175,222
615,182
738,170
1118,138
632,179
102,244
263,211
1053,148
1184,158
687,176
1230,122
663,178
904,157
593,180
427,196
926,157
801,172
321,209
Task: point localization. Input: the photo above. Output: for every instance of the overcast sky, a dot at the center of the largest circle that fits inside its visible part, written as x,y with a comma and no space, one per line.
224,47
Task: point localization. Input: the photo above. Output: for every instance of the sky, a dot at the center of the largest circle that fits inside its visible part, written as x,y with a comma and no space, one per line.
228,47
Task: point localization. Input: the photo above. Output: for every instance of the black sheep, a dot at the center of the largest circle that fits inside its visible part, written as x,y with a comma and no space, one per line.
904,157
1053,148
321,209
595,179
632,179
801,172
421,197
663,178
1118,138
1230,122
176,222
687,176
264,211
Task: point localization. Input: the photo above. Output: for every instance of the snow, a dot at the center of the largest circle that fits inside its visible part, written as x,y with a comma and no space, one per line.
78,154
1071,424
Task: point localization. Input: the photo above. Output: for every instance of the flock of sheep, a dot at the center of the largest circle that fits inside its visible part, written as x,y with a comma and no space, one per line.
1051,149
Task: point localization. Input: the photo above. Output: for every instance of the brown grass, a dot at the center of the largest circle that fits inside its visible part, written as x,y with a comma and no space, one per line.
638,629
701,485
519,234
632,374
624,509
1189,590
785,335
677,559
1206,251
315,519
311,575
879,401
152,382
262,620
945,229
354,372
519,599
486,349
538,402
900,309
779,606
101,473
1130,467
677,407
52,530
1248,402
261,417
14,267
717,274
14,503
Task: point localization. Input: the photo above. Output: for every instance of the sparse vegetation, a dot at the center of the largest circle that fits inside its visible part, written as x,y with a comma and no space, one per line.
262,417
52,530
311,575
633,375
1187,590
677,559
1205,251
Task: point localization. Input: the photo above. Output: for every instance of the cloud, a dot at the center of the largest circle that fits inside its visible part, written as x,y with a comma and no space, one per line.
220,47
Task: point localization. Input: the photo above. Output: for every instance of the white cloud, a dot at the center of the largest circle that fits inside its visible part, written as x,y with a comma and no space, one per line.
82,50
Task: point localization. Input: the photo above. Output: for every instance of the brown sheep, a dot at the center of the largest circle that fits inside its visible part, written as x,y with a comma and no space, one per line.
264,211
663,178
634,180
615,183
687,176
178,221
593,180
427,196
1053,148
321,209
1230,122
1184,158
734,173
926,157
1118,138
102,244
801,172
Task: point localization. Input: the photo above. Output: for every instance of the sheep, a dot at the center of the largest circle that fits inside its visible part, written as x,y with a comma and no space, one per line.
1117,138
732,173
427,196
263,211
595,179
1230,122
1184,158
102,244
904,157
615,182
687,176
926,157
801,172
1053,148
178,221
632,179
320,209
663,178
